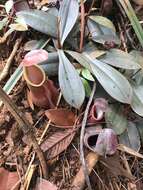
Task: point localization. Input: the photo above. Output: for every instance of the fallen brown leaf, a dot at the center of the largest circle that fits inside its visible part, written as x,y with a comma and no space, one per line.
57,143
113,164
61,117
43,184
8,179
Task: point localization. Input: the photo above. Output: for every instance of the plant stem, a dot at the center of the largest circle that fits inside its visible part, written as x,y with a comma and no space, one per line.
82,26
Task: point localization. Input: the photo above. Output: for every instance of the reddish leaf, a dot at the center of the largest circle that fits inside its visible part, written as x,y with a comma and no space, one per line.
43,184
61,117
57,143
8,179
34,57
115,166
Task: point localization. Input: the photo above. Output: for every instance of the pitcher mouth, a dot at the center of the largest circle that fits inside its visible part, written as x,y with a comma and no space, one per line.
34,75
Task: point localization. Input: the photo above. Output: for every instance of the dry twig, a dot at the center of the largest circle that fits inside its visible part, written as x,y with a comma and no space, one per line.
82,27
85,169
5,71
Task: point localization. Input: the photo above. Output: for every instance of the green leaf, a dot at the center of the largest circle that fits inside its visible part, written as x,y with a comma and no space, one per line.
13,80
87,75
100,33
40,21
8,6
115,119
33,44
133,19
137,100
131,137
86,87
96,53
139,125
70,82
103,21
120,59
18,27
112,81
20,24
138,56
68,15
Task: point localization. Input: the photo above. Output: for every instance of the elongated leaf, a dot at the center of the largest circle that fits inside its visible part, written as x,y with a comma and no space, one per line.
87,75
138,56
139,125
121,59
112,81
62,117
41,21
103,21
57,143
130,137
68,14
8,179
18,27
137,100
86,87
32,44
115,119
70,82
101,33
13,80
133,19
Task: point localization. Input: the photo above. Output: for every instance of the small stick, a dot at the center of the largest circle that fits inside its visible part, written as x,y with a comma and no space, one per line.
90,9
4,73
79,180
82,26
85,169
4,38
26,128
